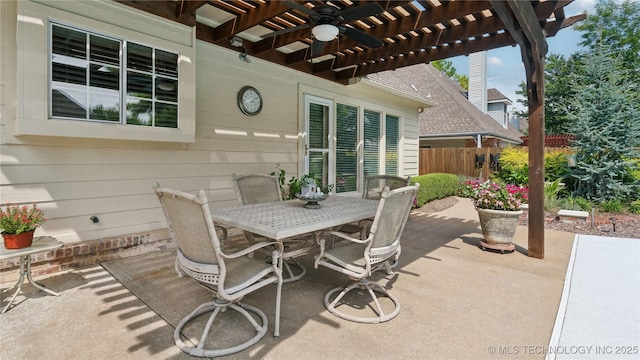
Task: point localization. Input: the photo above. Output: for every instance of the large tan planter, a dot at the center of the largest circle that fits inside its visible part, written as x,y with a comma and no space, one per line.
499,227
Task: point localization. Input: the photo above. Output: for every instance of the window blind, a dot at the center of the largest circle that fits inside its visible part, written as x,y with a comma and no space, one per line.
346,148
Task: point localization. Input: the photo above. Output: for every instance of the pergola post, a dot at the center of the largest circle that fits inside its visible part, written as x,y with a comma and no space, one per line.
519,17
535,94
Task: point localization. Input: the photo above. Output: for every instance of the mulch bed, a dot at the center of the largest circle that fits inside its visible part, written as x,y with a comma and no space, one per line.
626,225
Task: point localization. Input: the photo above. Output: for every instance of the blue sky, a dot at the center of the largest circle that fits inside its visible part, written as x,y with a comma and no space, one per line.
505,69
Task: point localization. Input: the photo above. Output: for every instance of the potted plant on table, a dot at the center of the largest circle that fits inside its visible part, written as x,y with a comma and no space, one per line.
499,209
18,224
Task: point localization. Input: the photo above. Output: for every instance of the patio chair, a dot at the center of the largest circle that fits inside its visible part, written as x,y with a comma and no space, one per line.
260,188
373,186
229,276
361,257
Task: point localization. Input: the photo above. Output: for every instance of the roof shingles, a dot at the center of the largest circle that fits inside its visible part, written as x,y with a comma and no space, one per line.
454,114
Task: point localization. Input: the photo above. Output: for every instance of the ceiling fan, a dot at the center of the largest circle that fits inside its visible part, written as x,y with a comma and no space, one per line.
327,22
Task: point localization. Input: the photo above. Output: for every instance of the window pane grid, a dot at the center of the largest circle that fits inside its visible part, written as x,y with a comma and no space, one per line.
86,80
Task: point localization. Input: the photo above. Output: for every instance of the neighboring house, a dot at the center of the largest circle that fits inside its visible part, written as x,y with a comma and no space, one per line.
454,121
497,104
69,145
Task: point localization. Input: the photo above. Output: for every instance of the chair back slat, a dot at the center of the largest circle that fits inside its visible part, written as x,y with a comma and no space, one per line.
190,224
256,188
375,184
388,224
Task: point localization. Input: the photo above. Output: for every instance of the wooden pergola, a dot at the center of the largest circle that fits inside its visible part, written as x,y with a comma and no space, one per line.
411,32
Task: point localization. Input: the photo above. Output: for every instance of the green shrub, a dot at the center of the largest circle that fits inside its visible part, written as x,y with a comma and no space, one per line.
584,204
555,166
551,191
514,166
435,186
574,203
634,207
612,206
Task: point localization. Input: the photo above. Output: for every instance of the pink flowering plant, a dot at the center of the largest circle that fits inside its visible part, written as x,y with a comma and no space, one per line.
16,219
497,196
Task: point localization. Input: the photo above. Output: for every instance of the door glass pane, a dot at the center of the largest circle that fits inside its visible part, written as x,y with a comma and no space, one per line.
318,141
371,143
346,148
319,165
392,135
318,126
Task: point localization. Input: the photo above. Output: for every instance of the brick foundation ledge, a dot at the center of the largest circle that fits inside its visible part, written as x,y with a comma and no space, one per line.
86,253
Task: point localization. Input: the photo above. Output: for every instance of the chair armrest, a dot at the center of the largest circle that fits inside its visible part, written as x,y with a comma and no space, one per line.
253,248
338,234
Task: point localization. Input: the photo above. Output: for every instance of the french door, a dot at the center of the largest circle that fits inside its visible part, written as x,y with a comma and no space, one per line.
318,140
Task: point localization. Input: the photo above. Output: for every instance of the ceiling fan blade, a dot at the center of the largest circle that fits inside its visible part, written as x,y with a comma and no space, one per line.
361,37
317,47
301,8
362,11
284,31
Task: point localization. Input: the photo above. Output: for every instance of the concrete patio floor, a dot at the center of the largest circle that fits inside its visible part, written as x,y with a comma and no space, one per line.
458,302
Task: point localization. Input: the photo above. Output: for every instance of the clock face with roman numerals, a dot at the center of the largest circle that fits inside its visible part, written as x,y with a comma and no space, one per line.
249,100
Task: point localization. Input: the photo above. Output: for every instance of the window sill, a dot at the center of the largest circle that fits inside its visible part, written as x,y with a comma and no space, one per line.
96,130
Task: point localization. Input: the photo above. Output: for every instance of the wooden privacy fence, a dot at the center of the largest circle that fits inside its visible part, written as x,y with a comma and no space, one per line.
462,161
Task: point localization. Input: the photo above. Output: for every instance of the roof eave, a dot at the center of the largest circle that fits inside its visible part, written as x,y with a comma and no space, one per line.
422,102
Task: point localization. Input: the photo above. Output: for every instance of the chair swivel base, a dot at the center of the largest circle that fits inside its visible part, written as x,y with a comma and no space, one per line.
216,307
372,288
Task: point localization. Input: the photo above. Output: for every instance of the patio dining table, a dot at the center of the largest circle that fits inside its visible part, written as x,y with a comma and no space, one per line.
279,220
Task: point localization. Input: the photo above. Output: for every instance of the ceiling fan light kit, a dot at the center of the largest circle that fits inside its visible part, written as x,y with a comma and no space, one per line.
327,21
325,32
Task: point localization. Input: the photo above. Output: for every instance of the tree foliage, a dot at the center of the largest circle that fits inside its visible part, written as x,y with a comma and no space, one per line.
446,67
604,115
614,26
559,90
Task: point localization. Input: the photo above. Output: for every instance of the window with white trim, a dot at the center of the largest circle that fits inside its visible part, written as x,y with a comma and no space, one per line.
94,77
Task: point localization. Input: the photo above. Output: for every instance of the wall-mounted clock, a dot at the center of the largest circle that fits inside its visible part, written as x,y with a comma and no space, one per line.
249,100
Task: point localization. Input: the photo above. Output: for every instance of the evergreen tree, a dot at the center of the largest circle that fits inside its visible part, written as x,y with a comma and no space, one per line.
605,122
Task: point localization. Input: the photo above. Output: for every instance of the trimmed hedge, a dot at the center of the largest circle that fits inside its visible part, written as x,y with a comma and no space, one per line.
435,186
